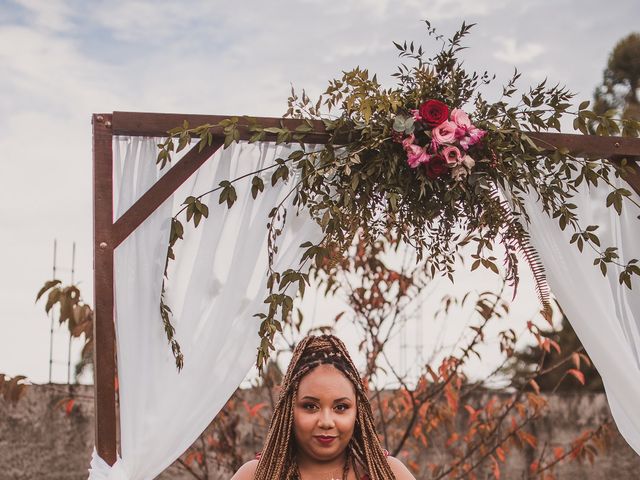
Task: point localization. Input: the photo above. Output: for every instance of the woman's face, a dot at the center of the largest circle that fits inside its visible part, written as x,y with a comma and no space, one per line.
324,413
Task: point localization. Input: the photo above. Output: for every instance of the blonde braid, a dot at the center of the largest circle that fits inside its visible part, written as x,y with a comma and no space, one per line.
277,460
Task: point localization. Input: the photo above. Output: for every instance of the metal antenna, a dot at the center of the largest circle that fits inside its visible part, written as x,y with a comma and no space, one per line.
55,246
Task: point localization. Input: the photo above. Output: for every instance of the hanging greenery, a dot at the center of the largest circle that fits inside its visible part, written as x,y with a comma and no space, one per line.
429,159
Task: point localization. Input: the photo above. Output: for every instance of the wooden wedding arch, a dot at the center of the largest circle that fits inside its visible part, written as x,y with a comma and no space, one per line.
107,234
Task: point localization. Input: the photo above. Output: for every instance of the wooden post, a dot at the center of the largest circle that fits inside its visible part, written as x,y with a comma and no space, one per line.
103,326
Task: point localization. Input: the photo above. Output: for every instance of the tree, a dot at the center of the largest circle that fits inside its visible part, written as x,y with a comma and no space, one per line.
556,379
475,428
621,80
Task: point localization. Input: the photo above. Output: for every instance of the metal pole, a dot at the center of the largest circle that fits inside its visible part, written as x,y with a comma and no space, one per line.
51,314
103,327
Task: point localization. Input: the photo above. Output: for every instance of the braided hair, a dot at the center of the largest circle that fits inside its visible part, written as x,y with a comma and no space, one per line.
277,460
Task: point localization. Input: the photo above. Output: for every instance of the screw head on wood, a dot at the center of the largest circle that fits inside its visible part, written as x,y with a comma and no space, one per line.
107,124
100,118
617,144
103,245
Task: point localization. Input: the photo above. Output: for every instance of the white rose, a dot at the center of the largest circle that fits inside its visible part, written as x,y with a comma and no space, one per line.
468,162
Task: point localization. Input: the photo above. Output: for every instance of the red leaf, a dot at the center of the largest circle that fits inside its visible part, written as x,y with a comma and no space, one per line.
558,452
473,413
500,454
495,468
534,466
253,411
452,439
68,407
577,374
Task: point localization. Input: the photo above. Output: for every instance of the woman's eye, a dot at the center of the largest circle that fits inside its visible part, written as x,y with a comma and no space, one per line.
342,407
309,406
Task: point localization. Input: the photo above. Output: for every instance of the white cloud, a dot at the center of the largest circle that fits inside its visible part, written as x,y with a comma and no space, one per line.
511,52
148,22
414,10
461,9
45,71
53,15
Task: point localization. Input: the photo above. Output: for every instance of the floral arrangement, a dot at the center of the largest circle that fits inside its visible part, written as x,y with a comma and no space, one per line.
429,159
447,139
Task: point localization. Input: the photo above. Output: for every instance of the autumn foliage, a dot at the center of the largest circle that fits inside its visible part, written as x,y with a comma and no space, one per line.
442,425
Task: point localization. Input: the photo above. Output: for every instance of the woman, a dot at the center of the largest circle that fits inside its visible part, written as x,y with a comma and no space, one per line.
322,427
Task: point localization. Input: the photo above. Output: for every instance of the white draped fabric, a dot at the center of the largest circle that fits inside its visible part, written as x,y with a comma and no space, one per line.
216,285
604,314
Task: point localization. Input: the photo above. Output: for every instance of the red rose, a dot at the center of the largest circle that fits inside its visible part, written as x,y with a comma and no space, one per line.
436,167
434,112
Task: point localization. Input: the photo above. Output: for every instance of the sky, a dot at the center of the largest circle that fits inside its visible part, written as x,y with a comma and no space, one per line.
61,61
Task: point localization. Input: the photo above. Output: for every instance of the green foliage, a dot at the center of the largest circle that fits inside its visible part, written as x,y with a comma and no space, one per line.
360,182
71,310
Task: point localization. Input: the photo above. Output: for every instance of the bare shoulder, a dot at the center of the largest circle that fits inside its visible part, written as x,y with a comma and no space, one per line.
399,469
246,471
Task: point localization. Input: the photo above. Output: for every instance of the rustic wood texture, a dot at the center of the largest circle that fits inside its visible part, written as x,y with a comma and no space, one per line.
103,325
161,190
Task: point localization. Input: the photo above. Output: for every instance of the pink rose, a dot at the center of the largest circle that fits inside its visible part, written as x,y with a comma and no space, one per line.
460,118
473,136
443,133
416,115
476,135
452,155
416,155
408,141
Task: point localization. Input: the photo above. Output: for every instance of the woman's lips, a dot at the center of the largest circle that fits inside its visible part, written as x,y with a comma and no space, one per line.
325,439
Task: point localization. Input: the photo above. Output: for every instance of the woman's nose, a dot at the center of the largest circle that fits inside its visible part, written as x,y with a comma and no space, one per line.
326,419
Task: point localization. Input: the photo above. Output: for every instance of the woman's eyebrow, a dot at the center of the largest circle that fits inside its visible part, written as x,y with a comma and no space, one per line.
341,399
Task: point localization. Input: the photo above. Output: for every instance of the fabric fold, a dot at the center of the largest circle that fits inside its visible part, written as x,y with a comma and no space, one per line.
216,284
604,314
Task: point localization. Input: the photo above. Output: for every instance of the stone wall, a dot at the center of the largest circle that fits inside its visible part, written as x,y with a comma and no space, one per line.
40,439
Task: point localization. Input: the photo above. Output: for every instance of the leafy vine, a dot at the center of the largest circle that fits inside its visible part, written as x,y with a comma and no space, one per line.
415,160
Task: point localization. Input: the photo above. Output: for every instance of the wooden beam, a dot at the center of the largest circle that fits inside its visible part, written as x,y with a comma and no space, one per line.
103,323
591,145
158,124
161,190
613,149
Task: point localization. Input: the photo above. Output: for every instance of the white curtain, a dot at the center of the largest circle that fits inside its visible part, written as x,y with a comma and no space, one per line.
604,314
215,286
